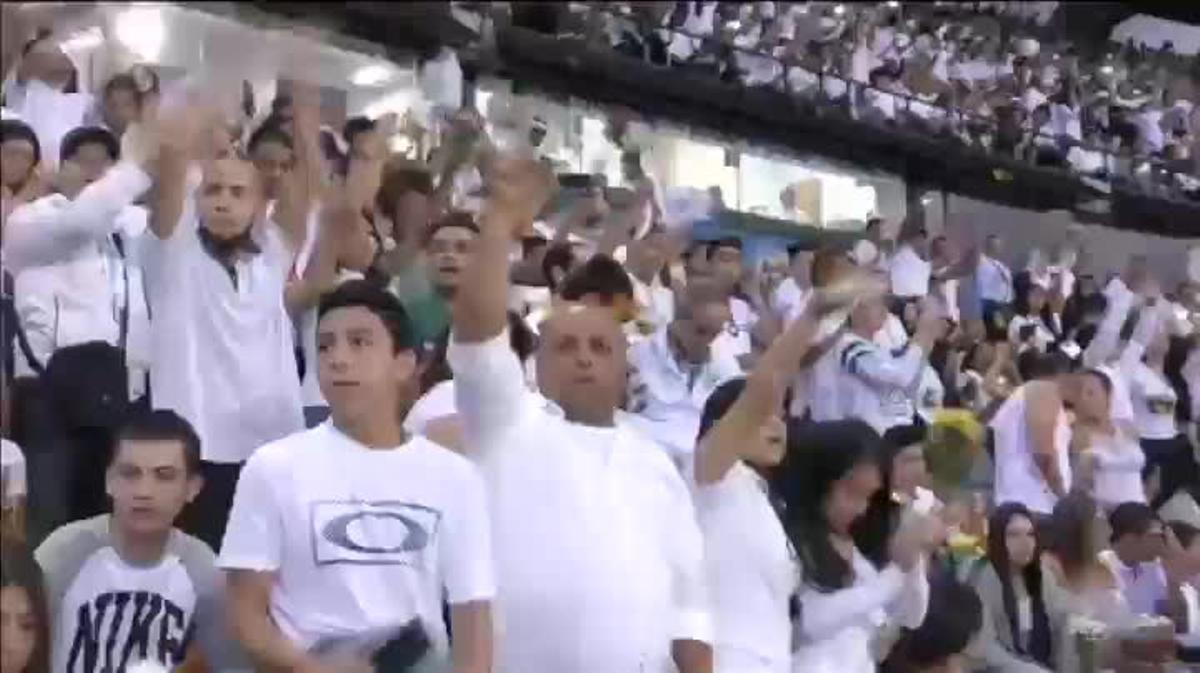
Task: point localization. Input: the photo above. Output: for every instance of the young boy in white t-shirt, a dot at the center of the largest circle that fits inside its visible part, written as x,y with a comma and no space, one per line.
128,587
344,539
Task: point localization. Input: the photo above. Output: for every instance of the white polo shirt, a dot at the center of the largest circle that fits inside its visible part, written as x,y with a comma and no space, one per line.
363,540
599,559
222,355
666,398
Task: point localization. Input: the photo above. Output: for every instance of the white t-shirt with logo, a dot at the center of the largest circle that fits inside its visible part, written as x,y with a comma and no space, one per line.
107,613
363,540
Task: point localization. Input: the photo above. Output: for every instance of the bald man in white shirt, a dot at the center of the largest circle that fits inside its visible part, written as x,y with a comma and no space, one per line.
598,554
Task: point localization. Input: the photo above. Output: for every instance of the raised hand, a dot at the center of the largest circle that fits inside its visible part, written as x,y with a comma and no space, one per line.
518,189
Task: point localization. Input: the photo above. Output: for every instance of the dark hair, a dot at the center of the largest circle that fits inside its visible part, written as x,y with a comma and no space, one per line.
1131,518
384,304
818,455
1034,365
953,617
19,569
601,275
997,555
88,135
269,132
719,402
726,242
15,129
558,256
356,126
873,531
1070,537
457,218
121,81
436,368
161,425
1184,532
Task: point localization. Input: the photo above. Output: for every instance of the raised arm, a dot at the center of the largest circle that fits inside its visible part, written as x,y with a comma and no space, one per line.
518,189
302,186
725,444
36,234
489,383
176,133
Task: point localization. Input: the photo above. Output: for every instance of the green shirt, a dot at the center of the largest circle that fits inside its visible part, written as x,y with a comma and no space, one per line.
428,312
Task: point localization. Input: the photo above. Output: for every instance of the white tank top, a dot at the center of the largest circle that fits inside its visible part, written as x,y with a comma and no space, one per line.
1018,478
1119,463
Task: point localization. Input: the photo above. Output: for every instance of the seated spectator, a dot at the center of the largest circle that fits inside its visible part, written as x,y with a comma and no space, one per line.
25,647
1016,635
135,565
1135,559
299,605
673,372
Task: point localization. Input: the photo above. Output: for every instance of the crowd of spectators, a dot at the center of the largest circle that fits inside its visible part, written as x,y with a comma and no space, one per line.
278,398
999,77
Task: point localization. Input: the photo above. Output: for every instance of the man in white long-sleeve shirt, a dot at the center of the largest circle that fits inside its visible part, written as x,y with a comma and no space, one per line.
876,385
598,555
73,255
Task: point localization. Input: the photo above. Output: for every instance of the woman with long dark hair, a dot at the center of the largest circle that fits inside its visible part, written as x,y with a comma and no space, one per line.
751,570
845,600
24,625
1110,461
1016,635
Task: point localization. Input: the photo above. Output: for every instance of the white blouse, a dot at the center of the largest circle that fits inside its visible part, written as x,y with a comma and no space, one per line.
837,629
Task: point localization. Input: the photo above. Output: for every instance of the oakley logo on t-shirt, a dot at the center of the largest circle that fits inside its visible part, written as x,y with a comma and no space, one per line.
122,627
372,533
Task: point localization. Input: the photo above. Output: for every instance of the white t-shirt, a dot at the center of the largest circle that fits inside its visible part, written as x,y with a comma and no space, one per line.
598,556
12,473
363,540
752,572
1153,398
222,355
910,274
